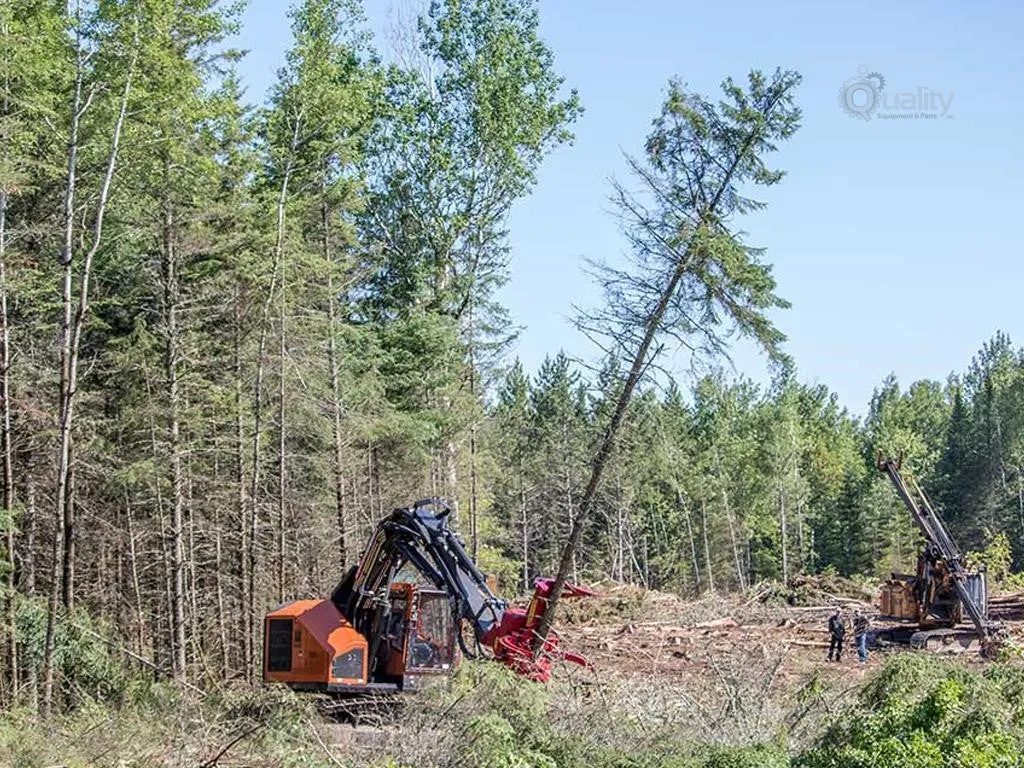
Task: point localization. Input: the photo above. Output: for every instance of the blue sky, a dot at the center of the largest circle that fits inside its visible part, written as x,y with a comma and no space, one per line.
894,239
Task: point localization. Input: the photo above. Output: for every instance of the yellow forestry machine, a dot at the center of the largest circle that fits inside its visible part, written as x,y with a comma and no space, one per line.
943,589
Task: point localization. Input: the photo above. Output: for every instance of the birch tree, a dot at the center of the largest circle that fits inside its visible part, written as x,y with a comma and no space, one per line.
104,68
30,41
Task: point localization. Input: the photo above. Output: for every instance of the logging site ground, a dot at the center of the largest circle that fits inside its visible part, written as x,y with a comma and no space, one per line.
659,639
716,682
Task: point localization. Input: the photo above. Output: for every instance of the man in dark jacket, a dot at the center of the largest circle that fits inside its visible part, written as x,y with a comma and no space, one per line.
836,633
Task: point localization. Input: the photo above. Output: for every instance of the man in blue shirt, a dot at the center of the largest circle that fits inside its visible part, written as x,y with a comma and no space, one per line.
861,625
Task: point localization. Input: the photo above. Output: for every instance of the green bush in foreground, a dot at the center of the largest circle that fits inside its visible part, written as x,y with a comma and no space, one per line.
920,712
165,727
511,723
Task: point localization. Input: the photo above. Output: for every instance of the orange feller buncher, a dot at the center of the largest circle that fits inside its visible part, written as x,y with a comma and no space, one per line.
398,616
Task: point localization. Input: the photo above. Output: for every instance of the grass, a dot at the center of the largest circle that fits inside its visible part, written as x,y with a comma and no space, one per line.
916,711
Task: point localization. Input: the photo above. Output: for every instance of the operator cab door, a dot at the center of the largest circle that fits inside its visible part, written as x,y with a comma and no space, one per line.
431,642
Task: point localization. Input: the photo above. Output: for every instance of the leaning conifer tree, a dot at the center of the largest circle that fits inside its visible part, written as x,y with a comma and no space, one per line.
691,278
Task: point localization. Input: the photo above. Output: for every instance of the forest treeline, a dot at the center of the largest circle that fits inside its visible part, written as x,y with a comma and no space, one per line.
233,337
731,483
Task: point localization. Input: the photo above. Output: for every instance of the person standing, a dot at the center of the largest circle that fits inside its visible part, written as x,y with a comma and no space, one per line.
836,633
861,625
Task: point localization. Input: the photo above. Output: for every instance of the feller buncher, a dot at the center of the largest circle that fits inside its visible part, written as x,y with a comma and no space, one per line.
935,599
402,615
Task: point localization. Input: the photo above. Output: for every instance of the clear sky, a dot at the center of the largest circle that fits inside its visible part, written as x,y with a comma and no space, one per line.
896,240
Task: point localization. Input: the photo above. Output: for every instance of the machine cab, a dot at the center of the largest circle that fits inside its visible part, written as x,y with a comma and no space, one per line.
309,645
420,638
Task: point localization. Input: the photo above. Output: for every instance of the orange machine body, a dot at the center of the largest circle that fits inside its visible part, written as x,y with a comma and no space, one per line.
309,642
310,645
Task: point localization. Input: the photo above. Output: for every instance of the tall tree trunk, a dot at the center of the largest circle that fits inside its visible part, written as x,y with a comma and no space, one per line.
370,510
199,641
336,408
65,355
620,548
281,431
118,584
740,574
163,631
377,493
722,482
70,536
474,523
71,332
570,501
1020,499
11,642
29,572
71,335
651,326
103,581
165,624
171,361
800,540
222,626
282,471
5,390
693,544
254,500
133,567
525,527
794,462
451,476
607,442
707,548
254,487
244,626
51,616
785,538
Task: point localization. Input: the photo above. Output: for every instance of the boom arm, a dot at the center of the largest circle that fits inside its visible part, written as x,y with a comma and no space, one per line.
419,535
940,544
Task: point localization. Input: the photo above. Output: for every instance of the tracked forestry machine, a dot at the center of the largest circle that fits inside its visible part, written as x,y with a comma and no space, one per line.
403,614
936,598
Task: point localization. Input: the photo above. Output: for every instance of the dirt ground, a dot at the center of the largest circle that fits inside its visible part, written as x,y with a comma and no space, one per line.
661,638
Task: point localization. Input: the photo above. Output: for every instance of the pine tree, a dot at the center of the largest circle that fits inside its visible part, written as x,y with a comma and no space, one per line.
691,269
514,445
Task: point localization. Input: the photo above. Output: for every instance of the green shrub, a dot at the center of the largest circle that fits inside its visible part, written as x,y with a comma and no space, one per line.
169,726
486,687
86,656
996,558
492,742
920,712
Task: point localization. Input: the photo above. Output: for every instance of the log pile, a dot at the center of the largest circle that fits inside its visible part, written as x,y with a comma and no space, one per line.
1007,607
